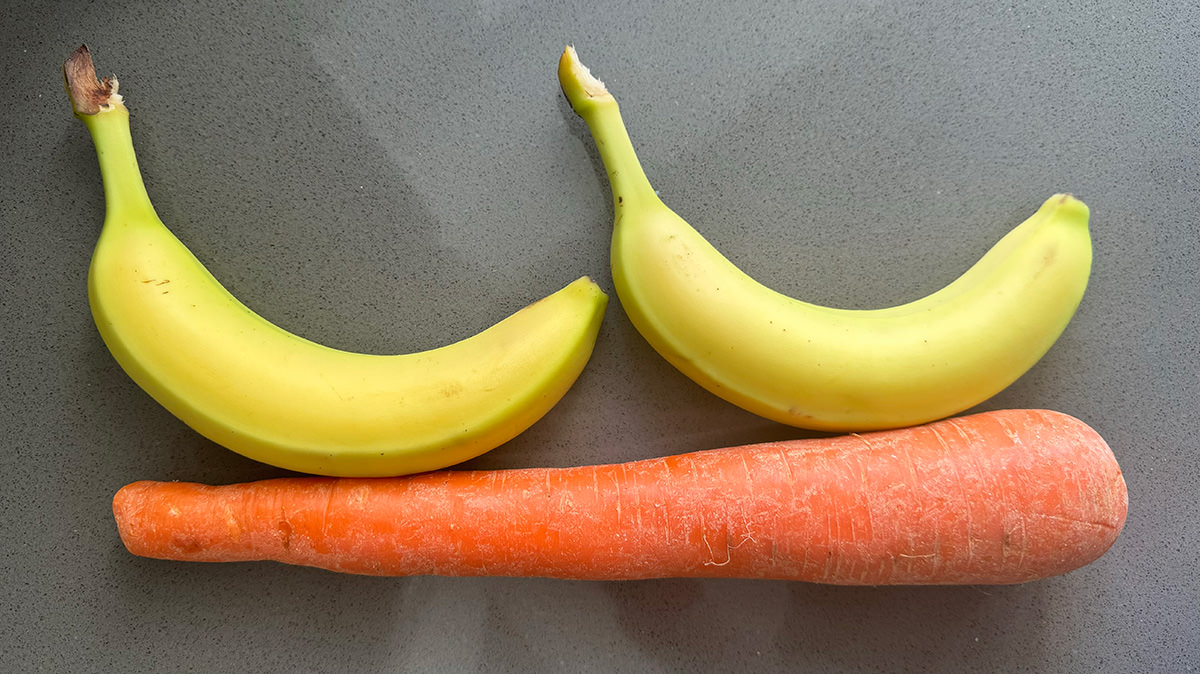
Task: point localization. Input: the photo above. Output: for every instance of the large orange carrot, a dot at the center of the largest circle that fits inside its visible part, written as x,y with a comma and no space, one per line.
998,497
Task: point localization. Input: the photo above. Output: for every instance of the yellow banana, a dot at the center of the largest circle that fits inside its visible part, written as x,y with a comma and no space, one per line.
277,398
819,367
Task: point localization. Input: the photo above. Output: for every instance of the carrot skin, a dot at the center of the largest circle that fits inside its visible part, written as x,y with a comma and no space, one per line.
993,498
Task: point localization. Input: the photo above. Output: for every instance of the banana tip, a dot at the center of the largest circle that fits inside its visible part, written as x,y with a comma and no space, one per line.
88,94
577,80
1067,203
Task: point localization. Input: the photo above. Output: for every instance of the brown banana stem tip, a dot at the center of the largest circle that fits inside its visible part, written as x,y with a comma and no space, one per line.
88,94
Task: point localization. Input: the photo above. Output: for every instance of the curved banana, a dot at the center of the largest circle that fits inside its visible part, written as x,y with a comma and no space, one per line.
280,399
819,367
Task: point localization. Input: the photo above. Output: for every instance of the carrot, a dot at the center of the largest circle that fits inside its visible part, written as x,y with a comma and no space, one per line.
998,497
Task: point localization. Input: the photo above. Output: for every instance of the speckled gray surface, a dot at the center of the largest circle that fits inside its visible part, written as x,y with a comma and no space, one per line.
384,177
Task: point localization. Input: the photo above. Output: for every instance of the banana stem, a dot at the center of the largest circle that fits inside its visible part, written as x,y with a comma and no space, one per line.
99,106
592,101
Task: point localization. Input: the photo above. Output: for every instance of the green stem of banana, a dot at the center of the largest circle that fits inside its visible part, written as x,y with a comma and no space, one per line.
592,102
97,103
124,192
625,174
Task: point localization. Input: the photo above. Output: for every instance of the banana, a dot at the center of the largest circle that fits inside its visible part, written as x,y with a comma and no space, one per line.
820,367
272,396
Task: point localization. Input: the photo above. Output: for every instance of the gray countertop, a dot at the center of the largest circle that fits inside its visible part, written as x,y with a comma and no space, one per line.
389,177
